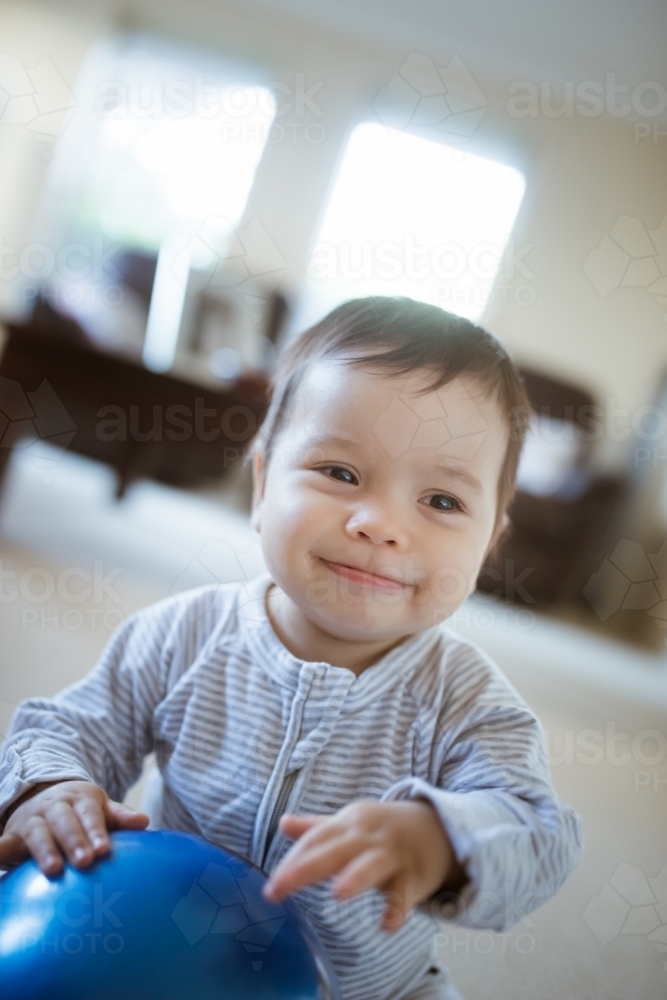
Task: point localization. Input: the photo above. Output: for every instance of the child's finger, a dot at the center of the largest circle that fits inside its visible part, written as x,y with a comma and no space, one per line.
301,866
65,826
368,870
394,913
12,849
41,844
120,816
295,826
91,815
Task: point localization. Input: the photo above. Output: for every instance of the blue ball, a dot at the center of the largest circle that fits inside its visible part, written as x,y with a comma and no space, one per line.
164,915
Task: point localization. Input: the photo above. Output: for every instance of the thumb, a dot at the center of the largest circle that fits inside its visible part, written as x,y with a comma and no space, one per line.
12,849
119,815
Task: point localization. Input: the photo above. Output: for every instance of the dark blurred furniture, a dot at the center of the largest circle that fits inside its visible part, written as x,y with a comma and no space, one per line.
57,386
137,271
554,543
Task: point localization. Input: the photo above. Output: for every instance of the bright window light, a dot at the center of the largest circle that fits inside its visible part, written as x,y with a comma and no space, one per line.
408,216
164,146
171,139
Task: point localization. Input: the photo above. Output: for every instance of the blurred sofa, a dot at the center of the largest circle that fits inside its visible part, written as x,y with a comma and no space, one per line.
58,386
562,509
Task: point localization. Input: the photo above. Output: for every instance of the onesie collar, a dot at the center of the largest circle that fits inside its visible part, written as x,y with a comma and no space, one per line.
289,671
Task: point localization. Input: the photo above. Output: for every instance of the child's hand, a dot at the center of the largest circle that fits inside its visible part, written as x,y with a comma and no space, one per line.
71,815
400,848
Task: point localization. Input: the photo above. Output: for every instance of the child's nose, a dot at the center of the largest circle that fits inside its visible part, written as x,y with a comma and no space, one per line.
378,523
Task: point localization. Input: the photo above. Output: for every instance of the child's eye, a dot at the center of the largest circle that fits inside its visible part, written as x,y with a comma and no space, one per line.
440,501
338,472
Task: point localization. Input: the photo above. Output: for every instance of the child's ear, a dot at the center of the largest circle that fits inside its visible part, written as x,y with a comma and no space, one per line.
258,473
500,530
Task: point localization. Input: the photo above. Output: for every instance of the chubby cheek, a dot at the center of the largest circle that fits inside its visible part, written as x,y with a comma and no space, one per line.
452,577
291,528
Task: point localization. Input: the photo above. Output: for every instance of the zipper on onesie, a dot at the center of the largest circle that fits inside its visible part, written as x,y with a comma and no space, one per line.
278,810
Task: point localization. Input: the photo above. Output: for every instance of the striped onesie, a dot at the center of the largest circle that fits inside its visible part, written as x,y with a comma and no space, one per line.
243,730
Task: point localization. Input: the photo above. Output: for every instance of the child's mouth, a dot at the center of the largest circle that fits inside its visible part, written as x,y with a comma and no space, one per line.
360,576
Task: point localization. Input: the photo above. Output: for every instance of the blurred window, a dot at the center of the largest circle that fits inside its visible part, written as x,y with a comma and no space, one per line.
410,216
163,145
551,453
171,137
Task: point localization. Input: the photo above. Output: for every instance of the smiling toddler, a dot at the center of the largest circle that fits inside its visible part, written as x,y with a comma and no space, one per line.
322,720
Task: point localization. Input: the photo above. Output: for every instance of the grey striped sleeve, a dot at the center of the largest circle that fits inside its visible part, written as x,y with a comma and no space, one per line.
99,728
489,782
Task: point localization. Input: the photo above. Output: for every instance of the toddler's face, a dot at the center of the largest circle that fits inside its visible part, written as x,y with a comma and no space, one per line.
378,504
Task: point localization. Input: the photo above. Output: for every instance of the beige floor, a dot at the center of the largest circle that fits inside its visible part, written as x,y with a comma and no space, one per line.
594,940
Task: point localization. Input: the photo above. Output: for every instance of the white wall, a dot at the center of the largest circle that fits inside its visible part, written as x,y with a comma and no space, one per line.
582,174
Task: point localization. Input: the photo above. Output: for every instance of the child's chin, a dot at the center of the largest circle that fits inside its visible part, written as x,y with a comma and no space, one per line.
360,624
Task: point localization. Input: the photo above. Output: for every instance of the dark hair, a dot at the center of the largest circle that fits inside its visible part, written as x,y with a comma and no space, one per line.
403,335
